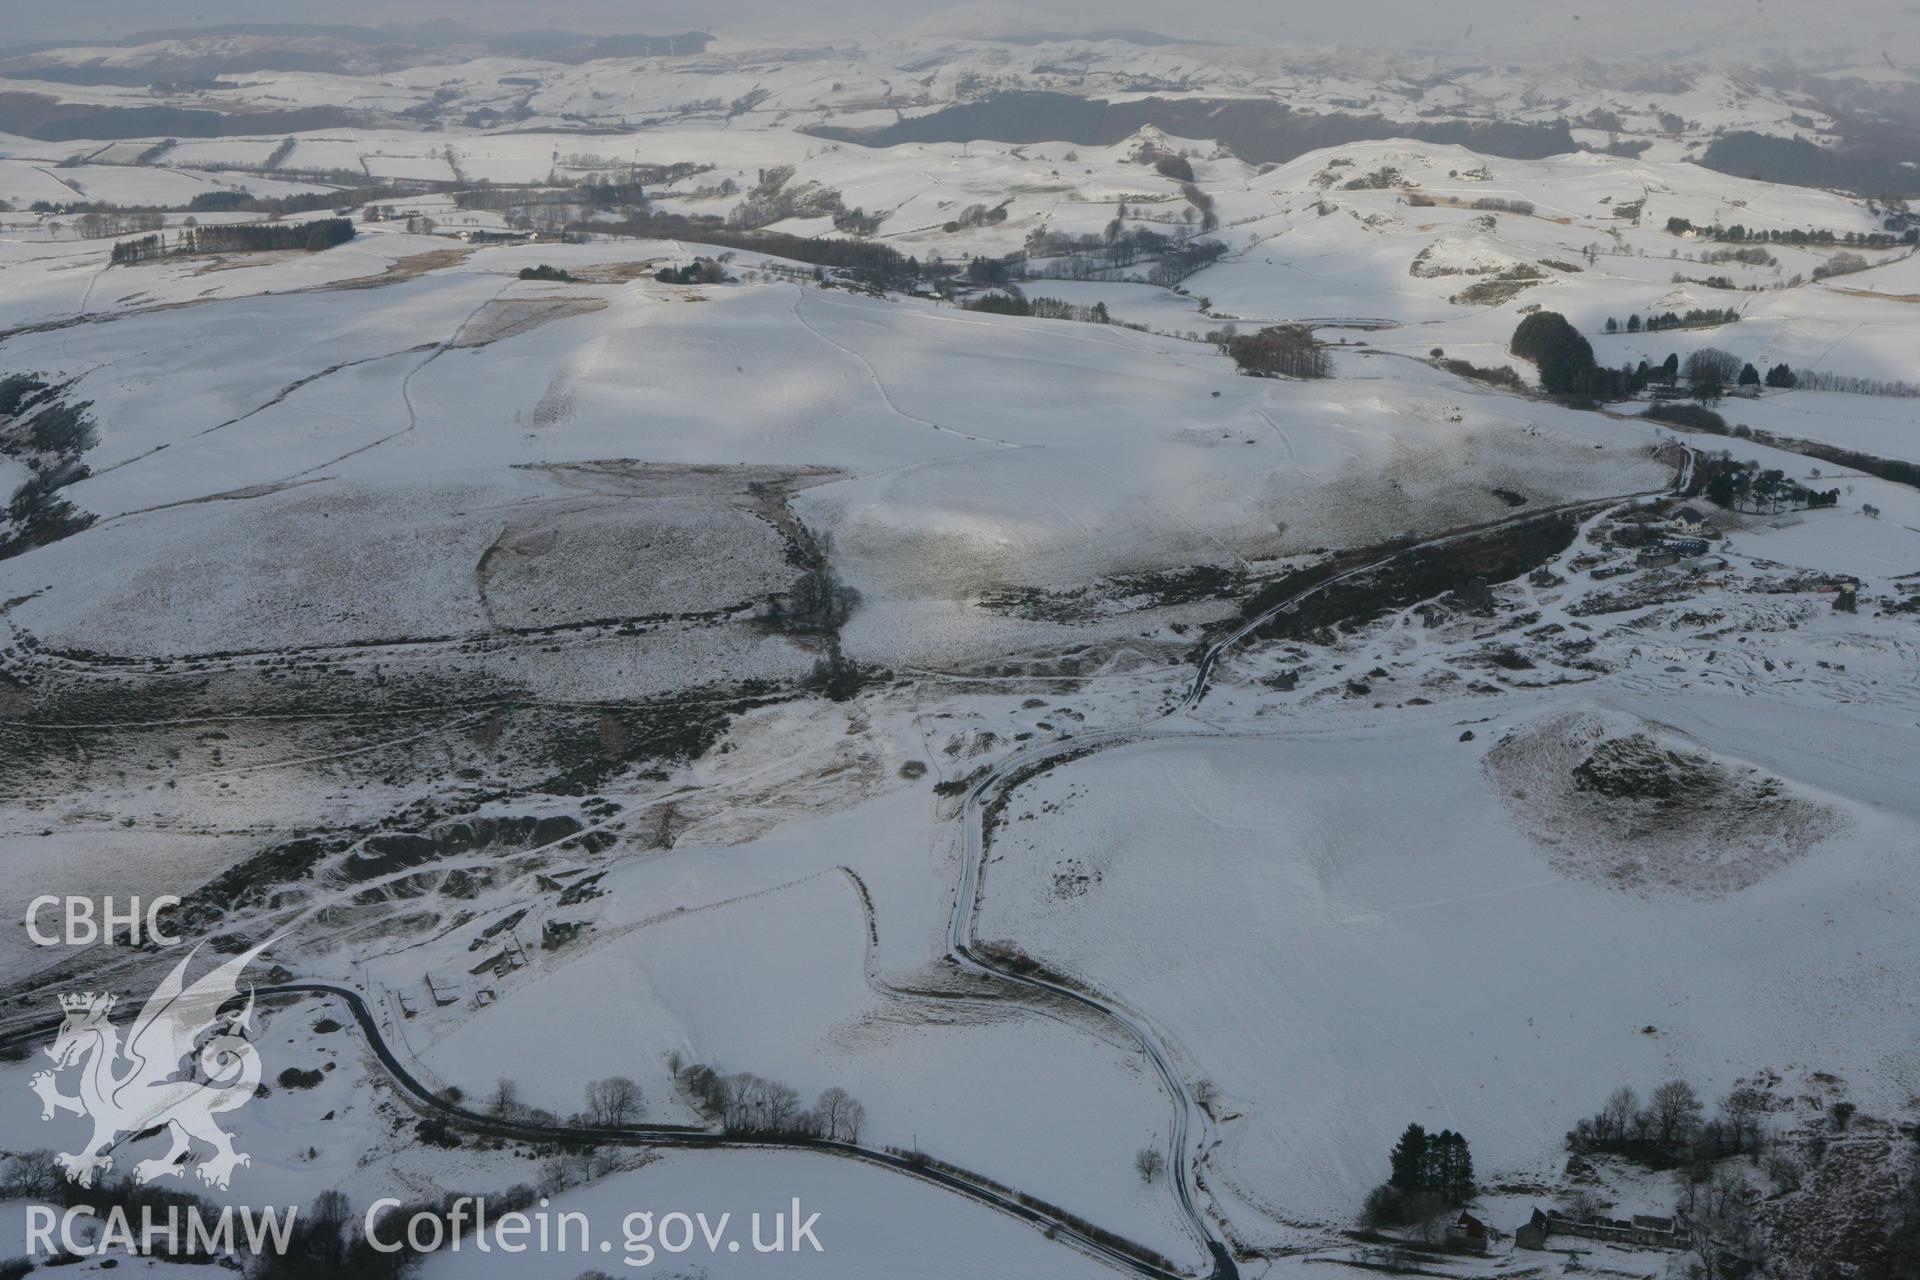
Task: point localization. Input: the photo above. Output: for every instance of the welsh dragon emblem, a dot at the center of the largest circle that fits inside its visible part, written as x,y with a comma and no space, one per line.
147,1082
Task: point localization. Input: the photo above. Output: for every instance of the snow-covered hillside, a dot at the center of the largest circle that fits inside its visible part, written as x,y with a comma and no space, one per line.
638,568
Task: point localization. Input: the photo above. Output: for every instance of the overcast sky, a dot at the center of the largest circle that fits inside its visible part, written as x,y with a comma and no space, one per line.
1568,25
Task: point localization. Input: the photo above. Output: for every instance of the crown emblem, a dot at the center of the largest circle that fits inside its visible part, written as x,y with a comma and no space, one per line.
87,1002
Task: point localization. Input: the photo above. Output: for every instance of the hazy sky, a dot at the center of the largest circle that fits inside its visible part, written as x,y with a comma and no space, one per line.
1569,25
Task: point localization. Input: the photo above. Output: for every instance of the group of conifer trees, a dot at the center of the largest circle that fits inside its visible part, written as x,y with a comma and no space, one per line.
253,237
1429,1173
1436,1164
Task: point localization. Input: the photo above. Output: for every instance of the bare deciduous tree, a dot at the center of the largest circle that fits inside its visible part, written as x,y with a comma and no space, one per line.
750,1104
1721,1220
560,1172
1617,1115
613,1101
782,1107
1740,1113
832,1110
741,1100
1675,1111
31,1175
326,1231
1149,1163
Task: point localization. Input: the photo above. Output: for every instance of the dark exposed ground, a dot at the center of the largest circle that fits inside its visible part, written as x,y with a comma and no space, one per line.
404,775
1461,567
1123,593
37,115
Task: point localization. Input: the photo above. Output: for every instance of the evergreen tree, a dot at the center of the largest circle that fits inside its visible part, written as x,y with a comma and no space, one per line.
1289,350
1460,1169
1430,1168
1749,376
1441,1150
1564,358
1409,1161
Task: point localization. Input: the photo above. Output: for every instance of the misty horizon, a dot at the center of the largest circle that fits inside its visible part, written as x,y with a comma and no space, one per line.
1737,28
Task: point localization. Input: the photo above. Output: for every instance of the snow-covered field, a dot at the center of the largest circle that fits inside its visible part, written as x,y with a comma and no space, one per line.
26,179
871,1224
1350,933
955,482
697,953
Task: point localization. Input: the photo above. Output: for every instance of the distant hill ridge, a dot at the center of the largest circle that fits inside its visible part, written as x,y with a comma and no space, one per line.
1259,131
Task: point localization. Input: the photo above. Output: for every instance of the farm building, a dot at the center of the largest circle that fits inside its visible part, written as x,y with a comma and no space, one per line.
1468,1234
1688,520
1643,1229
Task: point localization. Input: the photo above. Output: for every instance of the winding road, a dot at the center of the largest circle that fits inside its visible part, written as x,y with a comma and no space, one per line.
688,1136
1191,1123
